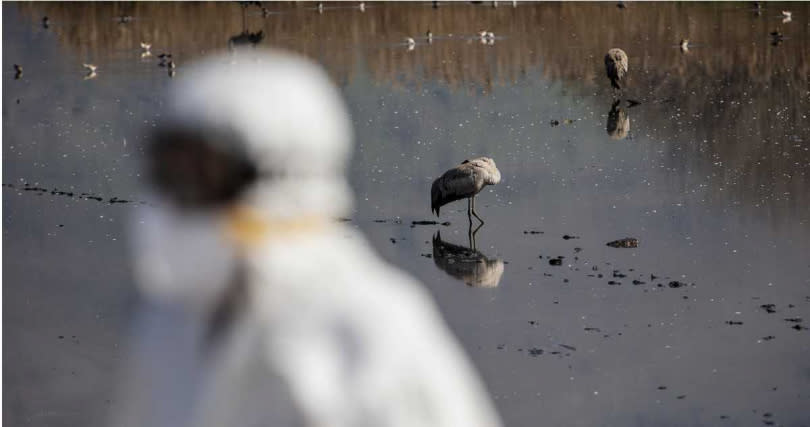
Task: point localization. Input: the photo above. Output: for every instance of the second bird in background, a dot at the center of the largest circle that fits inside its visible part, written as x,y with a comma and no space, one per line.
616,68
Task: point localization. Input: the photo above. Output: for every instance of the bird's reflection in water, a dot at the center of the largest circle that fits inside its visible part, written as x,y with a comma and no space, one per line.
618,121
466,263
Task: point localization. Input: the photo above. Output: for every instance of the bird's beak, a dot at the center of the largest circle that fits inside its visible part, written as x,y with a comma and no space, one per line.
245,226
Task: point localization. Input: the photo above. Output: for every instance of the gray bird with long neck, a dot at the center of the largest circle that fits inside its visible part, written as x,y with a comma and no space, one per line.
616,67
464,182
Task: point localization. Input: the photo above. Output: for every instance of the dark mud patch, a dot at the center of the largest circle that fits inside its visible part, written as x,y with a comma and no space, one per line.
445,223
40,191
676,284
627,242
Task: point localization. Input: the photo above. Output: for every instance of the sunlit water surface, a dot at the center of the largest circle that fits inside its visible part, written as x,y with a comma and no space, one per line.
710,172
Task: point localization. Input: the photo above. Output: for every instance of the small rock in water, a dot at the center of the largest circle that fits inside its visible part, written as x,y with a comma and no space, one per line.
733,322
676,284
627,242
534,352
555,261
770,308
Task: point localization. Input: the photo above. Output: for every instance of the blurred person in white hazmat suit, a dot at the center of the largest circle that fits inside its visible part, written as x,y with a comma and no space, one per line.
259,307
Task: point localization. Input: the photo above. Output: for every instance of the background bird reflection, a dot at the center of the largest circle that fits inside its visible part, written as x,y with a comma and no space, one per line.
618,121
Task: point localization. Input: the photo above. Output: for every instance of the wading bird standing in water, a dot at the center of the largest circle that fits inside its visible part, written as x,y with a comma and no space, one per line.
464,182
616,68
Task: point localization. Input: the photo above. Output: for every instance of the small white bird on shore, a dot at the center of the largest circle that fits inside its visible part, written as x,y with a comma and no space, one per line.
91,71
411,43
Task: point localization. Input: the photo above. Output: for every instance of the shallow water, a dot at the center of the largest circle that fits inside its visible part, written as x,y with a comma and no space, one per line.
712,178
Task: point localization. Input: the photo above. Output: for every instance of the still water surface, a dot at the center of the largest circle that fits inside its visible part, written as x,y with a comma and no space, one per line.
710,172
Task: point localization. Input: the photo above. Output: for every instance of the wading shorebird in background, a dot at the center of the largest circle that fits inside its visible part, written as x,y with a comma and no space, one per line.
464,182
616,68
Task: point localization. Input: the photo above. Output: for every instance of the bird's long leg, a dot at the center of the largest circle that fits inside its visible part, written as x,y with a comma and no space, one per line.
472,208
472,235
469,209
